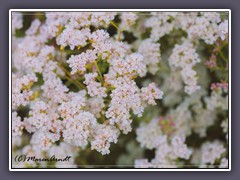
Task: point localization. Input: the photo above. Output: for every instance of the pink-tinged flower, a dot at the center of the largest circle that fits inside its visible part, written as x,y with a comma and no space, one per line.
218,86
212,62
167,125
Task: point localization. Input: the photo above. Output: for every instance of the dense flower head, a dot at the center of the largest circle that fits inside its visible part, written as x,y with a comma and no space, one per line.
17,21
212,152
150,93
223,29
160,24
184,57
17,125
128,19
78,129
165,152
73,37
42,139
78,62
103,136
94,87
133,65
22,92
151,53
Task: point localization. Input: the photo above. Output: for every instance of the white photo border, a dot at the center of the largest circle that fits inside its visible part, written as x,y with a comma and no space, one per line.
116,10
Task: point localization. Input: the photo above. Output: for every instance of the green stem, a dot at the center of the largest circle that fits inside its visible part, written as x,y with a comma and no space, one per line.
220,51
223,57
119,35
76,83
119,30
80,84
115,25
99,72
68,77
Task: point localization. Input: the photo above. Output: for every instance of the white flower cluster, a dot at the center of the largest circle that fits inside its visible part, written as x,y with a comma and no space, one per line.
42,139
216,100
31,54
151,53
184,56
181,122
201,26
73,37
94,88
21,92
38,116
151,136
78,62
211,152
95,105
103,136
127,19
57,113
17,125
224,126
224,163
17,21
150,93
34,27
133,65
127,96
223,29
161,24
79,128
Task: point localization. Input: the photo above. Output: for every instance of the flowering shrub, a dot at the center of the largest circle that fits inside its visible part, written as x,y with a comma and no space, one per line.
144,90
